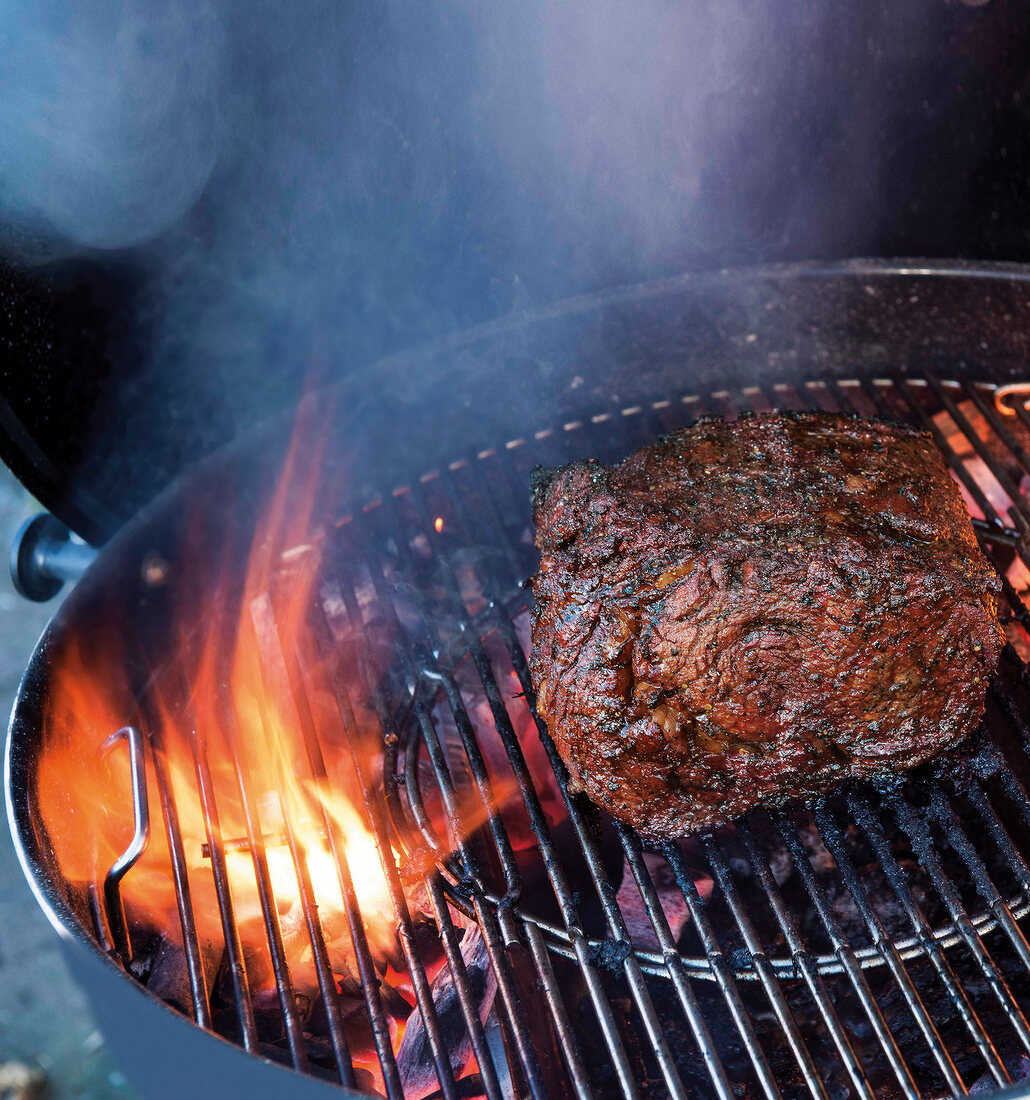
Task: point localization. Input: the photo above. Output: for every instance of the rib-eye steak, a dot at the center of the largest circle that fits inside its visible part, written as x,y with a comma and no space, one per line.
750,612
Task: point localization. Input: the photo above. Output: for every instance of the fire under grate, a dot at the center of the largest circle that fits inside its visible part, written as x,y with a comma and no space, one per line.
870,945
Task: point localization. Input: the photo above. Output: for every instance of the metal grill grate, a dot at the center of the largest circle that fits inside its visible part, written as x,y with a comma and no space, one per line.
868,946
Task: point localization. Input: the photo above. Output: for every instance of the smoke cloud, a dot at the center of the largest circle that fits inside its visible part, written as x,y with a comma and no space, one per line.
109,121
316,180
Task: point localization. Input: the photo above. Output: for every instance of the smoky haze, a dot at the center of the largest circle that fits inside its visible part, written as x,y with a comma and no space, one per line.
316,181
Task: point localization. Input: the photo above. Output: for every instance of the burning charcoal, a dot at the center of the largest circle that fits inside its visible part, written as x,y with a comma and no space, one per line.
1018,1066
394,1002
470,1086
414,1058
258,965
350,997
143,962
268,1013
319,1050
641,931
350,1004
169,974
338,945
775,852
323,1063
390,954
426,934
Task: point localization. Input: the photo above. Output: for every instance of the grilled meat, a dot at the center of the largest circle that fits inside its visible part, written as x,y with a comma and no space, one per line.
745,613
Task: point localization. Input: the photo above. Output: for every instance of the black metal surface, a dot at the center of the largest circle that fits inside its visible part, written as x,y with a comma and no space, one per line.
703,331
878,942
44,556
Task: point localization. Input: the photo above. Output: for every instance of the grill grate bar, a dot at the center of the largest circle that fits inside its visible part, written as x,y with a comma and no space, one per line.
803,962
533,1045
514,487
417,667
820,393
181,881
863,814
494,522
562,891
219,871
1020,614
477,766
1021,412
525,782
977,796
957,466
569,1045
1016,509
852,399
504,980
502,972
462,984
352,910
840,946
1017,506
266,895
829,831
633,973
606,895
1008,440
516,1018
998,692
552,864
1016,793
723,973
274,669
923,845
760,964
674,965
985,887
380,834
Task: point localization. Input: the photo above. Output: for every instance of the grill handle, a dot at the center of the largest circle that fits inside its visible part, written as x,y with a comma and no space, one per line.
43,558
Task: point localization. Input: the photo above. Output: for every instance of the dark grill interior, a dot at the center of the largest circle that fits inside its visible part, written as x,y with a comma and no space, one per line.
868,946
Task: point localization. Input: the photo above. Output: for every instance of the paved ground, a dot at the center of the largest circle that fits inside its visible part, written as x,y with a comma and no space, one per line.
44,1021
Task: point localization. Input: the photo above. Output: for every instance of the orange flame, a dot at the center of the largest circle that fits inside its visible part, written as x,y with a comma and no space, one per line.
242,712
244,706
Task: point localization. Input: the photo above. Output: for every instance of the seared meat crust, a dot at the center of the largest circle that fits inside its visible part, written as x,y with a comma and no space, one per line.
745,613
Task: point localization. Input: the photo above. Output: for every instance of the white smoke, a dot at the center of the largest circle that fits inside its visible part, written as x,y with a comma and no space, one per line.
109,114
309,178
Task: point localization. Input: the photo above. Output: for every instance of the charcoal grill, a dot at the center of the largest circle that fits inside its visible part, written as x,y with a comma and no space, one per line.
870,945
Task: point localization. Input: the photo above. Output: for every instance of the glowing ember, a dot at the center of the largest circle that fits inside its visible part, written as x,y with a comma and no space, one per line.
1000,501
438,524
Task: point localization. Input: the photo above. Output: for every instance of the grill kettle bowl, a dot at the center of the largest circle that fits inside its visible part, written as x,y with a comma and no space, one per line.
491,387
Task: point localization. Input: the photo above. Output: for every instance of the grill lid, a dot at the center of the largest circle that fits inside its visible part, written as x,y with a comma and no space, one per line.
95,433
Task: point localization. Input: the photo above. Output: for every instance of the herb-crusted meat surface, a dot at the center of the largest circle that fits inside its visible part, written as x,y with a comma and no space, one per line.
745,613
